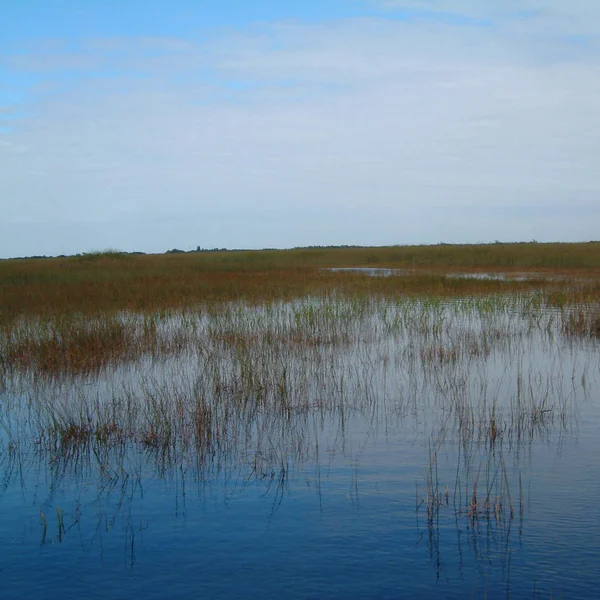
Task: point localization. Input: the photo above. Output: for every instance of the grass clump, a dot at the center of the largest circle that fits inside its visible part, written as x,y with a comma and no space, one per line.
582,323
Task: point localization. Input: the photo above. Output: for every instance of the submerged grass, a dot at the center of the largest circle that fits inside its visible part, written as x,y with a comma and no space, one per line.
236,354
582,322
249,367
215,376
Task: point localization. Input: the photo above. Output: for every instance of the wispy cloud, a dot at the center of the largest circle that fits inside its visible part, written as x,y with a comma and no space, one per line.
363,130
581,17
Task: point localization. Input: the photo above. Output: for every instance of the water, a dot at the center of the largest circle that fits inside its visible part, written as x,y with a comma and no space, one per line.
344,450
389,272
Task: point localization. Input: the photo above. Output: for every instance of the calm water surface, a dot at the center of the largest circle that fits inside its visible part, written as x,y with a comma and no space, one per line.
357,461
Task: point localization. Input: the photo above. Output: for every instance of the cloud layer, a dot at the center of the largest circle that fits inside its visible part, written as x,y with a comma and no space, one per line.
369,131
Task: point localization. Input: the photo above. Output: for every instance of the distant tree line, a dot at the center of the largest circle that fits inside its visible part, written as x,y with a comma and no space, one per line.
199,249
118,253
330,247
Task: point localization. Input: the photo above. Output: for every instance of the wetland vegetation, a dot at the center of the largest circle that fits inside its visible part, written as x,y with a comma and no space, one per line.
188,420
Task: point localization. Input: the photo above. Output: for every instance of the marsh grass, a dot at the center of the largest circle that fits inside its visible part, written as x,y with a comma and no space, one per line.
250,366
214,377
71,346
239,395
582,322
67,346
109,282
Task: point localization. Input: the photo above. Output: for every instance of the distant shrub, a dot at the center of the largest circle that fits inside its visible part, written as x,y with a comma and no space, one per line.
109,253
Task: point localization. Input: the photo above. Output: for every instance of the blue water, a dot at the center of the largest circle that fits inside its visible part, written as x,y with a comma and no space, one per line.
329,505
344,528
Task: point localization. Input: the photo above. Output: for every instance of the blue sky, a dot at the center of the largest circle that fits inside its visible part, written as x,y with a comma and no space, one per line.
152,125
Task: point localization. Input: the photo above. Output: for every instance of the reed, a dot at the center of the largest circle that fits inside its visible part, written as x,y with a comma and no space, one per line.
247,376
184,381
583,322
245,369
111,282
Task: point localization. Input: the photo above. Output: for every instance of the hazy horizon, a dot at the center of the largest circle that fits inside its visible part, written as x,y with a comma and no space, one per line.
202,250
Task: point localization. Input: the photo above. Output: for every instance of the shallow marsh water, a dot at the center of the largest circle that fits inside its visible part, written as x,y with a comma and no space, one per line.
389,272
321,448
514,276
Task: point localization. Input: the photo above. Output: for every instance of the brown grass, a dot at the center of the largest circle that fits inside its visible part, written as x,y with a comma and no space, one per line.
78,315
147,283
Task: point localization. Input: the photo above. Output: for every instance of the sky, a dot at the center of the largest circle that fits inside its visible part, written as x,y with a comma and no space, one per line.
148,125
